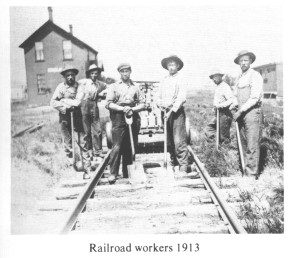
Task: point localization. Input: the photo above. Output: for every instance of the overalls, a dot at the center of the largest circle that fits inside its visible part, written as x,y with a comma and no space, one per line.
65,121
250,130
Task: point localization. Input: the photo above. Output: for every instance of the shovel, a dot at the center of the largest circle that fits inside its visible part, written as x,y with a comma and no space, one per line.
217,130
135,171
78,166
165,141
240,148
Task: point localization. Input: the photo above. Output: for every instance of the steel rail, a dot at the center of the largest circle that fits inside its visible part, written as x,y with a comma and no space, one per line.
85,195
227,214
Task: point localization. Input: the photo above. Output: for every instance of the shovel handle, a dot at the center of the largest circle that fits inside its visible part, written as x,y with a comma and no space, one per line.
80,150
129,121
72,138
240,148
218,130
165,140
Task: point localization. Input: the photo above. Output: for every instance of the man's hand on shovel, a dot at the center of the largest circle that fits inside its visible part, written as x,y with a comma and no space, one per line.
167,115
237,115
128,111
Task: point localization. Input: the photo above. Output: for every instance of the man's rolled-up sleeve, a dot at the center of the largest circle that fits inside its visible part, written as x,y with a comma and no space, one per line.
229,97
57,96
111,96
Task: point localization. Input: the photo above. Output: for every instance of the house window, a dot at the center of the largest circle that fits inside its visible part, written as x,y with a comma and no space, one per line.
67,50
41,84
39,51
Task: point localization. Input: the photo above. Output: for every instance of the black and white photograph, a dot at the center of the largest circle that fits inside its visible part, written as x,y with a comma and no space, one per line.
144,122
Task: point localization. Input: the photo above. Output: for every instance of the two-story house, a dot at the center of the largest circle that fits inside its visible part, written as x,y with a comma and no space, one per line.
46,52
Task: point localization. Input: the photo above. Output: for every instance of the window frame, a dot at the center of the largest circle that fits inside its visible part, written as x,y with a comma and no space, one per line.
46,89
63,52
40,60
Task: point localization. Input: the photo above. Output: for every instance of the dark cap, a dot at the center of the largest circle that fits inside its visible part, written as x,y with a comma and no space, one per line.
124,66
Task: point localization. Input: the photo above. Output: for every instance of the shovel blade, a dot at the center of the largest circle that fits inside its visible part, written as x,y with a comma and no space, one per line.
136,174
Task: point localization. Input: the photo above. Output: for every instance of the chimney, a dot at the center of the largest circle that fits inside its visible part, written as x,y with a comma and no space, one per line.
70,29
50,10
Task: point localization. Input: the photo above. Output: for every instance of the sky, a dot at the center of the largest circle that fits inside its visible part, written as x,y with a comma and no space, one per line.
204,37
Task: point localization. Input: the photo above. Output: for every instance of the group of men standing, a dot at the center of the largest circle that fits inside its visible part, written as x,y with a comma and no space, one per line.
243,103
124,99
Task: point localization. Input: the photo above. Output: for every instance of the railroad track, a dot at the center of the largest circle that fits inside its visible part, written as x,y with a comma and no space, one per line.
191,204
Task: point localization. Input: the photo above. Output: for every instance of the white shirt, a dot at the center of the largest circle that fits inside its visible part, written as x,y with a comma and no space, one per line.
172,92
255,81
223,95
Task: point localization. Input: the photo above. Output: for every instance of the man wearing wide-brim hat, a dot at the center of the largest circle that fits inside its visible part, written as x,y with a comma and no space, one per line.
67,98
172,96
124,98
249,87
223,99
93,91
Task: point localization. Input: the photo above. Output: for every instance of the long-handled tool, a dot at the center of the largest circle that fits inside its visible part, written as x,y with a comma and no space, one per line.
240,148
78,166
218,130
135,171
165,140
72,140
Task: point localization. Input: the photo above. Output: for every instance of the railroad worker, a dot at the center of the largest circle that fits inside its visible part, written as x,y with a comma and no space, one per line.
223,99
249,87
123,98
172,96
93,91
67,98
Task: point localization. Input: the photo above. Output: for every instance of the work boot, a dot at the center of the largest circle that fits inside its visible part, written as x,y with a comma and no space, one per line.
182,171
175,169
249,172
99,154
96,162
111,179
68,154
86,175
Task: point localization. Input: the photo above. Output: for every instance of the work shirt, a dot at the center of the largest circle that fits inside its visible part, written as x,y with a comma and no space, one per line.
254,81
91,89
66,96
223,95
172,92
124,95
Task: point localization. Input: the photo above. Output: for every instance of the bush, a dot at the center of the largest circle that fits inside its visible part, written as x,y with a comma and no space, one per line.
272,146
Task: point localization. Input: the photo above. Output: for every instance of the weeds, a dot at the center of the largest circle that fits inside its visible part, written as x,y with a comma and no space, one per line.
262,215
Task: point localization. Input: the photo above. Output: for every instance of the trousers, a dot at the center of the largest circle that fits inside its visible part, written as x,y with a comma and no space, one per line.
225,120
65,124
92,127
121,142
250,135
176,139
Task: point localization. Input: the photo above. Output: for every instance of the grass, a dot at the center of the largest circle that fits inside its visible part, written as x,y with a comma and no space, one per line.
261,207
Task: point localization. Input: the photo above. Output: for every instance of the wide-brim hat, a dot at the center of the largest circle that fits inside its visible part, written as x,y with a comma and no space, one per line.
123,66
215,72
69,68
166,60
245,53
92,67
